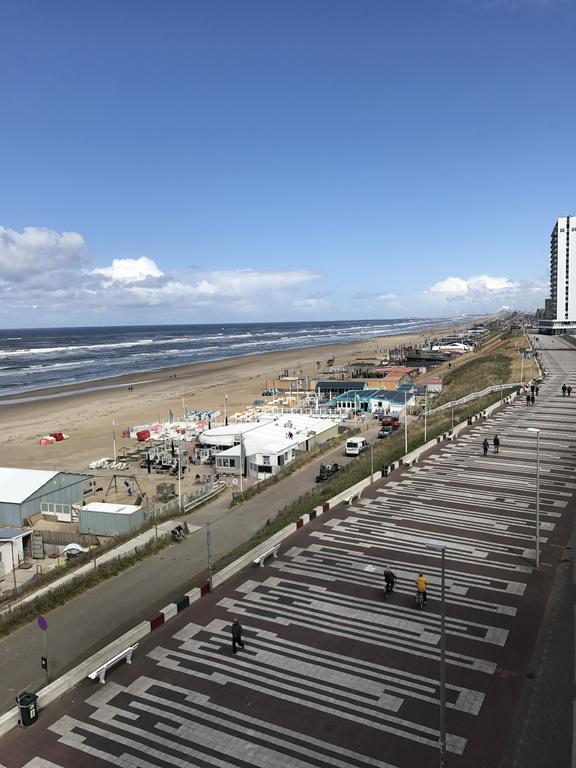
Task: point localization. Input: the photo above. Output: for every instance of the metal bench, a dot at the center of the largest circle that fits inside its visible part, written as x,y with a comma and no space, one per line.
126,655
272,551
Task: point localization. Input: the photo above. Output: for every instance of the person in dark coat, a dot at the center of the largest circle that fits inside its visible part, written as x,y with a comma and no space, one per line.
528,398
532,399
569,390
237,635
496,444
563,390
537,390
485,446
532,389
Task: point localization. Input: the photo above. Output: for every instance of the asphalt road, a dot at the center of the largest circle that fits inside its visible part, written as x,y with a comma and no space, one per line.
331,673
84,624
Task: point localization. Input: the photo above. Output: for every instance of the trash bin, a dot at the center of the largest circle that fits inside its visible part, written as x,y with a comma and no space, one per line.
27,708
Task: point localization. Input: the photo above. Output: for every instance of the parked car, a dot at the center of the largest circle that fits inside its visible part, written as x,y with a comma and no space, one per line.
355,446
385,432
389,420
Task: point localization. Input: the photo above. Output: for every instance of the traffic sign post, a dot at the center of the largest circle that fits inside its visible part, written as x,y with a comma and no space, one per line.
43,624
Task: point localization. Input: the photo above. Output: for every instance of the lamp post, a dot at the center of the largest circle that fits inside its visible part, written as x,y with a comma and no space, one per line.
441,546
425,411
209,550
114,439
405,424
537,431
241,465
226,410
371,463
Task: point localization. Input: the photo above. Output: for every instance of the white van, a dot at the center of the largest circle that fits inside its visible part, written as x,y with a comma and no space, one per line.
355,446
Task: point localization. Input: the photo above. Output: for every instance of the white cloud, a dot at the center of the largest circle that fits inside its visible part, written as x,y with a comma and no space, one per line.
130,270
480,284
313,302
247,281
386,296
38,250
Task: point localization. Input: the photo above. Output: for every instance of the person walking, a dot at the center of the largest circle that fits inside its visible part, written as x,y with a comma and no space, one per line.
532,389
528,398
563,390
237,635
485,446
537,390
569,390
496,444
422,586
532,399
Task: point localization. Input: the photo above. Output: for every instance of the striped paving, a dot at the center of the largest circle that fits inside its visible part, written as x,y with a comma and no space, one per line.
331,673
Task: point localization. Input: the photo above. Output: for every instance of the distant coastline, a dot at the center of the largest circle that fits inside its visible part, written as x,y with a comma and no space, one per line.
48,364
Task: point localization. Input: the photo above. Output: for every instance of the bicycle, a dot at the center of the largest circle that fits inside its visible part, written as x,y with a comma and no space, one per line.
419,599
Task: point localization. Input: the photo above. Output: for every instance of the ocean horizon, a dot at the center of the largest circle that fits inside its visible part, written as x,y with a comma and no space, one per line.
35,359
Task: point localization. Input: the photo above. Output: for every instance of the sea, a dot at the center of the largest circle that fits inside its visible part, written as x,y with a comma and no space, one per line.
36,359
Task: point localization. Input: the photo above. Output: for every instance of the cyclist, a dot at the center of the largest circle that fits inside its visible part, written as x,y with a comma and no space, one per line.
389,580
421,586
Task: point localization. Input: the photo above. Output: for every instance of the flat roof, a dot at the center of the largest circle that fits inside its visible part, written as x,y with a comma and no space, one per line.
272,434
12,533
16,485
113,509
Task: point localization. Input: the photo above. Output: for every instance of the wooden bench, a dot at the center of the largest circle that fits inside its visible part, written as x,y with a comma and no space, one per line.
272,551
126,654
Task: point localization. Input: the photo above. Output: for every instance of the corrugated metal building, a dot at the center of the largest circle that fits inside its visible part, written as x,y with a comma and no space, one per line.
103,519
22,492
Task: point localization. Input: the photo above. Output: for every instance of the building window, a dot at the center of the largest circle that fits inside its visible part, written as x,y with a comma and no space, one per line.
265,459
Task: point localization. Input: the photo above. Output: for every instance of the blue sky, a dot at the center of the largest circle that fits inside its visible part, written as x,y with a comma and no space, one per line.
261,160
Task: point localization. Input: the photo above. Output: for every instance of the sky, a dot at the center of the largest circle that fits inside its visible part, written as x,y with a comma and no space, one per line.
270,160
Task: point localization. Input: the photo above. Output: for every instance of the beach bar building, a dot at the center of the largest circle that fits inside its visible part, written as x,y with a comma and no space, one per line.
330,388
374,401
263,448
23,492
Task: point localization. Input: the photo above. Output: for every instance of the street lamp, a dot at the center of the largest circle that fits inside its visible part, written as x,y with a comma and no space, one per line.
441,546
371,463
537,431
405,423
425,410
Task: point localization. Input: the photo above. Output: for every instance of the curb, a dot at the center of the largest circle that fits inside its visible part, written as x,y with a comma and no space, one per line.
69,680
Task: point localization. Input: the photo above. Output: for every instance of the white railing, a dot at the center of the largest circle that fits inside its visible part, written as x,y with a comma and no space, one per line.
474,395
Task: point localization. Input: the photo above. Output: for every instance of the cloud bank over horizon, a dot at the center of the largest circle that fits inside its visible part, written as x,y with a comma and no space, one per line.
48,278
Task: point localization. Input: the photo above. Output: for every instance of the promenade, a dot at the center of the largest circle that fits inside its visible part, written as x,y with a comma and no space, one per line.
103,613
334,676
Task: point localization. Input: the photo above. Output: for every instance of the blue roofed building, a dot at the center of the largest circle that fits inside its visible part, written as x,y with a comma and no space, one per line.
374,401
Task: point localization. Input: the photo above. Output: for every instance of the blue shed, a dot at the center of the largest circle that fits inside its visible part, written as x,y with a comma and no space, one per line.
23,491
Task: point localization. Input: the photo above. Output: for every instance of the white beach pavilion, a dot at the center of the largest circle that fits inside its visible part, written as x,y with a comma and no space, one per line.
264,447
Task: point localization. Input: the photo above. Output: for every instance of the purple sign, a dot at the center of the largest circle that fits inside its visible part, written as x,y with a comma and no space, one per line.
42,623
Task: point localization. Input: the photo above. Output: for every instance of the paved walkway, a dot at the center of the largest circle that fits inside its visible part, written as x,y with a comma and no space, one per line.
98,616
332,675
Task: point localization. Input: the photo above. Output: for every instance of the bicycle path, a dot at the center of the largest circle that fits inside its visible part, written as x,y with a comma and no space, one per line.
104,612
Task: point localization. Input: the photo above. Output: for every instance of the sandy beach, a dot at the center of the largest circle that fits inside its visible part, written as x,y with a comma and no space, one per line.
87,417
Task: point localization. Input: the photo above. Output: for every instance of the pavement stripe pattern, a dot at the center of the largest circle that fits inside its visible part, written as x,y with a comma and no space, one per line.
331,673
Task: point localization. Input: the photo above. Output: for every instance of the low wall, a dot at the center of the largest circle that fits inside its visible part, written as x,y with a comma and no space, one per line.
66,682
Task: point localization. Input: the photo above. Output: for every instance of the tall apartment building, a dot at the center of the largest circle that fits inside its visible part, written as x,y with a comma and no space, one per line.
560,308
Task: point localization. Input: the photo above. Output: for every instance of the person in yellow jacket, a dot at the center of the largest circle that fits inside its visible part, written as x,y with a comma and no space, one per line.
421,586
